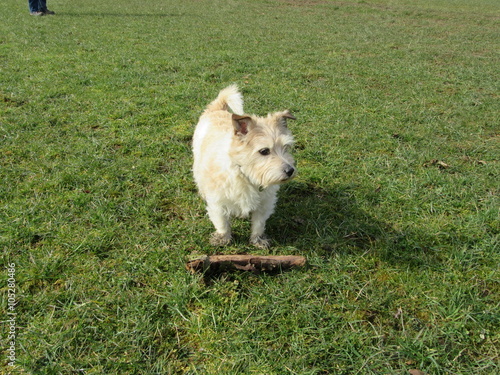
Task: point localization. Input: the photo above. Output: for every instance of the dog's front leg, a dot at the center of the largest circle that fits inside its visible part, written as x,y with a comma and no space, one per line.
258,237
259,218
220,219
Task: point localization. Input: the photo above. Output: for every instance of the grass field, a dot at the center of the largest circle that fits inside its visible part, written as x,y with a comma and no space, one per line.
395,204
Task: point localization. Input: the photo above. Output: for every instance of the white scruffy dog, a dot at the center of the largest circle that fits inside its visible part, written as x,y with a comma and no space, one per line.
239,162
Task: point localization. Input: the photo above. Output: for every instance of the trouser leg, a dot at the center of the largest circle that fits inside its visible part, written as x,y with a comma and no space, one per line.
34,6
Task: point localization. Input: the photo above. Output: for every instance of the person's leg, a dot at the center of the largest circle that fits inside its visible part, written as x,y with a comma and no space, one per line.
34,6
43,7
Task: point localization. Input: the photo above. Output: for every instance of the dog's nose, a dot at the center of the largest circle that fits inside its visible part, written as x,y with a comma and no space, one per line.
289,171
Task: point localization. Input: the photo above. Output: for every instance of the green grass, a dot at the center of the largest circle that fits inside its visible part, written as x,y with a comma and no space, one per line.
395,205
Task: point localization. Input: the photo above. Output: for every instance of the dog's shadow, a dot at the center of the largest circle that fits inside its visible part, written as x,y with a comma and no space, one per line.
331,222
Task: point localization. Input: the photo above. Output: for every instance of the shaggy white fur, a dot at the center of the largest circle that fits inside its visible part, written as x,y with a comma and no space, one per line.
239,162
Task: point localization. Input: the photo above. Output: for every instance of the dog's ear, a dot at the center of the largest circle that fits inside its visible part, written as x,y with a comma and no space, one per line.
287,114
241,124
283,116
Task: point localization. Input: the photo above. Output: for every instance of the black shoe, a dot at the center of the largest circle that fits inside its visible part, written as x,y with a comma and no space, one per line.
49,12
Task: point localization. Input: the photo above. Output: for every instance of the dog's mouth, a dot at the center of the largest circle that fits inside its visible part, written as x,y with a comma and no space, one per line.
268,179
286,179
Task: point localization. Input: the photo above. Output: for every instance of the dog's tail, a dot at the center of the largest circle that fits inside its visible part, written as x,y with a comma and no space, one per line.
229,98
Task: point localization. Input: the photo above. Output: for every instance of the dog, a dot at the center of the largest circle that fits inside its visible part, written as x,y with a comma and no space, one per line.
240,161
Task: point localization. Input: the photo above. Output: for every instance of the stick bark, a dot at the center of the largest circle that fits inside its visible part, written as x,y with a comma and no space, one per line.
252,263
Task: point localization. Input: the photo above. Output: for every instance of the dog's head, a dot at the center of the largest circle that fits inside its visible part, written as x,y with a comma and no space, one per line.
261,148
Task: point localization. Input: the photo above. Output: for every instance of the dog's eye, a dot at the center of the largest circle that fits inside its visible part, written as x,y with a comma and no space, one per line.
264,151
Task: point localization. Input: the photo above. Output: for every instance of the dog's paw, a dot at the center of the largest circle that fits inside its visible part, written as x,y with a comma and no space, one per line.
262,242
220,239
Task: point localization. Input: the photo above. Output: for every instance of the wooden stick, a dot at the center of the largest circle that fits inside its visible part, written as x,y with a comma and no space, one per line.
253,263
